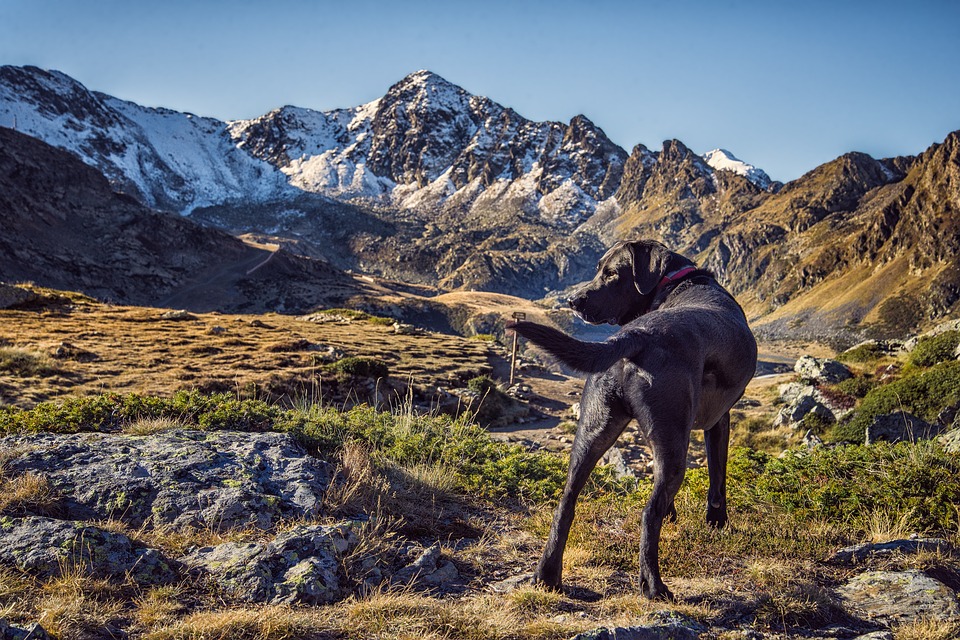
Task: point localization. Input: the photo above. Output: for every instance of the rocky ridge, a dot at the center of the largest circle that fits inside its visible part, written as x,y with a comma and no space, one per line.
65,227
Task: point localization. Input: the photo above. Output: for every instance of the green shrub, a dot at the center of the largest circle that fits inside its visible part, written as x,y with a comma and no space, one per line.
857,386
922,393
935,349
862,353
482,385
109,412
917,482
360,366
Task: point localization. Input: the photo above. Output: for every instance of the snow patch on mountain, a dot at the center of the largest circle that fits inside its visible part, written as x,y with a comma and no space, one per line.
721,159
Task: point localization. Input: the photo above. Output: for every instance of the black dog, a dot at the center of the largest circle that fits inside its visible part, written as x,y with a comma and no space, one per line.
681,360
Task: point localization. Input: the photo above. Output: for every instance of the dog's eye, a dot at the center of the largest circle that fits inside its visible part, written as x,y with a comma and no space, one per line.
609,275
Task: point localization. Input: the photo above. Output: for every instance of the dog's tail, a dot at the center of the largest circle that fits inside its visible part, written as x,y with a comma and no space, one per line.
587,357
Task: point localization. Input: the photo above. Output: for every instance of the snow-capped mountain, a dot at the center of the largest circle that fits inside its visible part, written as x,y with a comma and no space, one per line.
426,144
169,160
429,144
721,159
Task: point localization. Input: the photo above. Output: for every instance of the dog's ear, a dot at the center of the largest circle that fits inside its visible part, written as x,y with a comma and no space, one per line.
650,263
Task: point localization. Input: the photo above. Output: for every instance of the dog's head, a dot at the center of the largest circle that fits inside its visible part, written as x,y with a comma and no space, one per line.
626,282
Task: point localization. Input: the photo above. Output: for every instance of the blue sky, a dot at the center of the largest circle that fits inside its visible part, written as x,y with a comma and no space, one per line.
783,85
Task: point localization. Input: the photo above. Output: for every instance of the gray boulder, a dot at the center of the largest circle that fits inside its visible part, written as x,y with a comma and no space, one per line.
821,369
31,632
11,296
428,569
667,625
802,399
899,426
858,553
217,479
48,547
298,566
894,597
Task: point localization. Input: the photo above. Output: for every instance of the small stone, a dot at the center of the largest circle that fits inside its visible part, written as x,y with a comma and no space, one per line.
180,314
821,369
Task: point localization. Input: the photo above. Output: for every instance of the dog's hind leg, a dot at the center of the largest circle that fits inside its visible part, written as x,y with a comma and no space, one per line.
669,466
717,440
598,429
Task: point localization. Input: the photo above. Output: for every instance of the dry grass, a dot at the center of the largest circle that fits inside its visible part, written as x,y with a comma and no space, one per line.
882,526
246,623
149,426
159,606
26,363
356,486
927,629
31,492
136,351
75,604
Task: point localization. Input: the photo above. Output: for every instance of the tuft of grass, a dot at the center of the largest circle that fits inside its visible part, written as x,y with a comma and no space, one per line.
28,492
26,363
927,629
146,426
159,606
272,622
78,605
533,601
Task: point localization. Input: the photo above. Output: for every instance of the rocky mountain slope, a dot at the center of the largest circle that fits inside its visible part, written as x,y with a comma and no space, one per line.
63,226
430,184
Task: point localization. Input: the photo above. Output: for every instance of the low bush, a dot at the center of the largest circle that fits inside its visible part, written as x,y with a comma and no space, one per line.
110,412
923,393
21,362
867,352
360,366
482,385
935,349
857,386
919,483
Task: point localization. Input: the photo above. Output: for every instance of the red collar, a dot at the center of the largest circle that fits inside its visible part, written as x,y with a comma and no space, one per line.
672,277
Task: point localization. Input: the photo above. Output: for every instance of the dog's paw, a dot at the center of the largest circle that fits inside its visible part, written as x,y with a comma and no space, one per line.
716,518
542,579
656,591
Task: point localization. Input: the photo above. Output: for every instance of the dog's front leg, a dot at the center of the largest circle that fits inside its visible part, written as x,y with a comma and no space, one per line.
598,429
717,440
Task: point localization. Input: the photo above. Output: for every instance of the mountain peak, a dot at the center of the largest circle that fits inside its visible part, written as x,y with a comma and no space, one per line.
721,159
425,82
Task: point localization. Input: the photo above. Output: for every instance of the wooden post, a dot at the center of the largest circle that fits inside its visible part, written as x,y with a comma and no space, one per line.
517,315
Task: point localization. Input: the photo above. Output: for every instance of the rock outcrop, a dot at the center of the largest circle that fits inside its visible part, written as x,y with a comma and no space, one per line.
220,480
